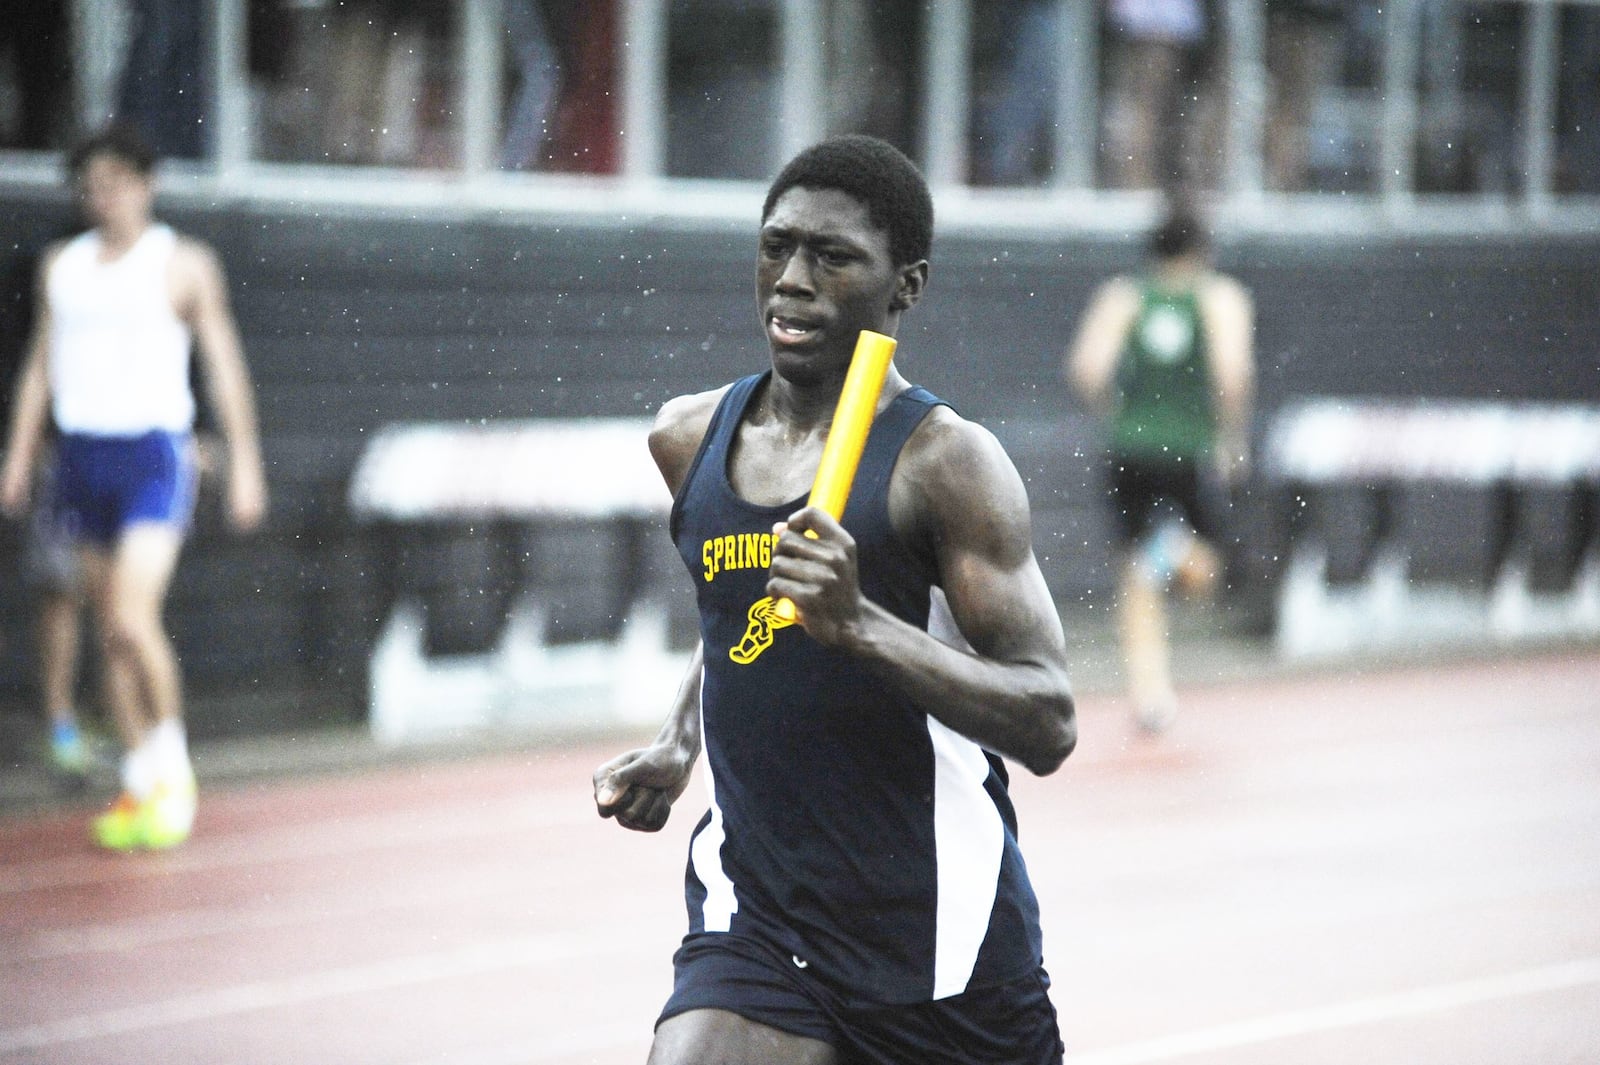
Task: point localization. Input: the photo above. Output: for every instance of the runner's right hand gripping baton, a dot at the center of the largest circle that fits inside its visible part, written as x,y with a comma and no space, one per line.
847,436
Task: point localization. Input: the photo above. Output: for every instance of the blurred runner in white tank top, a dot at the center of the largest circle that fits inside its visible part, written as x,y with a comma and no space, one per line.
119,309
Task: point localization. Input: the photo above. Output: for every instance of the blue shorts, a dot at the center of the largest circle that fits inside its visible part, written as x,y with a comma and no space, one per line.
106,483
1012,1024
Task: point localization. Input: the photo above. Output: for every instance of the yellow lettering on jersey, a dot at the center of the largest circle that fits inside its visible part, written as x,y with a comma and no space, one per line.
735,551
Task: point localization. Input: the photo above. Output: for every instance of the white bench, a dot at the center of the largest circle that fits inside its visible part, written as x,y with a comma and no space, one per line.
537,468
1521,448
533,471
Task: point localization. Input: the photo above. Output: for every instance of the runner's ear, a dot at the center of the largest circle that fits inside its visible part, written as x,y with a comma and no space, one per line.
908,290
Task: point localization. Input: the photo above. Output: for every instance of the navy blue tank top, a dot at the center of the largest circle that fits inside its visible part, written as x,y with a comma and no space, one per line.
847,827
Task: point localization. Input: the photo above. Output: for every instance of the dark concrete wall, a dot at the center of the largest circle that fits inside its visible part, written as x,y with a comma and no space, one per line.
350,324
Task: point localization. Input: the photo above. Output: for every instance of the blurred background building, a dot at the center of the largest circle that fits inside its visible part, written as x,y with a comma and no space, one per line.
478,211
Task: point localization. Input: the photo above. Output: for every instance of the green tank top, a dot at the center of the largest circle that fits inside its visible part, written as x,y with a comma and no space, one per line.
1164,404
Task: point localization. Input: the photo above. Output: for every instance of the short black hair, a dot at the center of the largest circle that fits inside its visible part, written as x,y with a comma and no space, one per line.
1179,232
121,142
876,173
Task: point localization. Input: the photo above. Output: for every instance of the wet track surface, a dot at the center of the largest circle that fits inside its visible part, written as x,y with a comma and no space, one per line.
1396,865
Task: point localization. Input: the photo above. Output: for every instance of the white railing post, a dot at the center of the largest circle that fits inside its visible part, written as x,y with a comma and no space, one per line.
947,111
480,57
1540,73
1246,35
1397,128
643,63
231,112
802,78
1077,104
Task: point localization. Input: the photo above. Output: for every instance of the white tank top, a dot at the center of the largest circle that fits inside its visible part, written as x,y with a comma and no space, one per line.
119,354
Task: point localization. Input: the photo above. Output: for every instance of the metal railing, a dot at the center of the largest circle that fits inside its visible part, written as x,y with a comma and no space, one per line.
1066,199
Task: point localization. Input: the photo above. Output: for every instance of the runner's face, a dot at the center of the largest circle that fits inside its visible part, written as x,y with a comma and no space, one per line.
823,274
114,195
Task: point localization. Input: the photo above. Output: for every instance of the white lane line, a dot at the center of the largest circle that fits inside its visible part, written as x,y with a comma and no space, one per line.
1289,1025
398,828
472,960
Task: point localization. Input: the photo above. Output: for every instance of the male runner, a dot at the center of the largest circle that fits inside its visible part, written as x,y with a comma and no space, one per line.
1167,358
50,572
119,307
855,892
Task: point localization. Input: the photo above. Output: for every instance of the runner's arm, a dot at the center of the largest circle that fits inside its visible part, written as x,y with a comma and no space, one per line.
227,381
1007,690
639,787
1230,332
30,411
1091,363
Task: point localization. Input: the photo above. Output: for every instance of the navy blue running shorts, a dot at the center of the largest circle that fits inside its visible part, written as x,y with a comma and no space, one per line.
1011,1024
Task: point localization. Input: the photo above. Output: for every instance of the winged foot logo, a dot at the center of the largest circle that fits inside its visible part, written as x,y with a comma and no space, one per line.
764,621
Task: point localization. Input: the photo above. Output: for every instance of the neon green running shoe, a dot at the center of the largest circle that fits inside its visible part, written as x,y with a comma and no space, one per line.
163,820
119,828
167,816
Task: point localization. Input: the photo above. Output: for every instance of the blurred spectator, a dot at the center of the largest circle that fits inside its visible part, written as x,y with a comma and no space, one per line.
1014,146
1155,52
378,82
1471,59
874,52
537,80
584,33
279,62
1303,55
165,91
355,81
722,83
361,122
854,66
723,76
379,91
35,73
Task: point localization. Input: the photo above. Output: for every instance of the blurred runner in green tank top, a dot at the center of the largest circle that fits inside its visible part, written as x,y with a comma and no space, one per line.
1166,358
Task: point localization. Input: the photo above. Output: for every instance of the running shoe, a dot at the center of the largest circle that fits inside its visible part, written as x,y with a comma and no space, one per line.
167,816
69,754
120,827
1164,550
1157,715
162,820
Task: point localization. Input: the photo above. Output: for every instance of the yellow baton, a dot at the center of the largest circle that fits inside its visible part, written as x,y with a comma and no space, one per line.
847,436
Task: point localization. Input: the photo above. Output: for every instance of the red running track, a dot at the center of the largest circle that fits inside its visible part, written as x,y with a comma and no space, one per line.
1398,867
